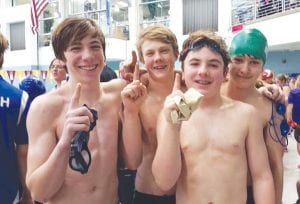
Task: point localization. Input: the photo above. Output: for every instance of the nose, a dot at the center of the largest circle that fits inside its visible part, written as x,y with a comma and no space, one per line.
202,69
157,56
86,53
244,67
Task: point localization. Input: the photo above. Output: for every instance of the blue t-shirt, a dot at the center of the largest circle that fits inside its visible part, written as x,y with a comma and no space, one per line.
14,105
294,98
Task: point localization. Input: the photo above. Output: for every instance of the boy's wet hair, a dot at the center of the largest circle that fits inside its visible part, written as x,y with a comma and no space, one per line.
71,30
199,39
158,33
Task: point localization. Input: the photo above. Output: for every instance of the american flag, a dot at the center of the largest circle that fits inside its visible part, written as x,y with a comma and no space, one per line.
37,7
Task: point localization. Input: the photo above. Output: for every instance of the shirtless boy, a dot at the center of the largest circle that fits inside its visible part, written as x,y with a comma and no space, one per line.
207,157
248,56
158,51
57,116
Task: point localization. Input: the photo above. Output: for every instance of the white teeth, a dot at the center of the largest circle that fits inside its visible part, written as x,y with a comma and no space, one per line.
160,67
203,82
88,68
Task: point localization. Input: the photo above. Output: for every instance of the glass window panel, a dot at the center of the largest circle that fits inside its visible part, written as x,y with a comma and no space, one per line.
154,12
17,36
48,20
20,2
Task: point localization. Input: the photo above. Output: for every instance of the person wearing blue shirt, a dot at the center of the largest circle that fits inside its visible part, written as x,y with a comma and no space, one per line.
14,104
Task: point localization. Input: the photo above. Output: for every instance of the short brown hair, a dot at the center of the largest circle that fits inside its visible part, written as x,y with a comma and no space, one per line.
208,39
157,32
74,29
3,43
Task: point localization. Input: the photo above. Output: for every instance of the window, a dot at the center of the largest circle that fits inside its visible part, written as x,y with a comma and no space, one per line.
17,36
154,11
47,21
111,16
20,2
200,14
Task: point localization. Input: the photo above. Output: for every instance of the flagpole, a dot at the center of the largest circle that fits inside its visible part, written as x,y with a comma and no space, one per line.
37,51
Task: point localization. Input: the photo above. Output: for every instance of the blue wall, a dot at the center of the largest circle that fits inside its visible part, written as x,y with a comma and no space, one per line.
284,62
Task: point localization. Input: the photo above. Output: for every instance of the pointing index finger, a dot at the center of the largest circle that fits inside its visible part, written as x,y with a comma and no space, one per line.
136,73
133,59
177,82
75,97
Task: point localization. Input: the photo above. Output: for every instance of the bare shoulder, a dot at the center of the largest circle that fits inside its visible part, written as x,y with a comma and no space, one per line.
46,107
114,86
240,107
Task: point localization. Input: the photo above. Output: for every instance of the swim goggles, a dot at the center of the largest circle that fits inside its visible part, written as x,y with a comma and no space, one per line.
284,126
80,156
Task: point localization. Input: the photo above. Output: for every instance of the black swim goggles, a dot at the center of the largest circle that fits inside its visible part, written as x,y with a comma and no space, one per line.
80,156
284,126
199,44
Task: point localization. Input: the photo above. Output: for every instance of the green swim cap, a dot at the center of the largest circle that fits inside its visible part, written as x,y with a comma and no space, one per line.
249,42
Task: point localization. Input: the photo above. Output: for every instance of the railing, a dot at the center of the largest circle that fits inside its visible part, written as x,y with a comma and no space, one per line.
244,11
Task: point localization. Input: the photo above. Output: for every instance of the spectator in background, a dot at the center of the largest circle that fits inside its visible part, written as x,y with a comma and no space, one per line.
282,82
267,76
292,82
14,105
293,117
293,109
108,74
59,71
33,86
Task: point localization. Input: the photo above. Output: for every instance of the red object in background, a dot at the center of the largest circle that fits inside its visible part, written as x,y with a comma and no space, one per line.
237,27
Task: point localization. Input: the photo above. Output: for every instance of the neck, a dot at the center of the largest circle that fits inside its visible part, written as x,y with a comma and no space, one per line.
90,92
239,93
211,102
162,87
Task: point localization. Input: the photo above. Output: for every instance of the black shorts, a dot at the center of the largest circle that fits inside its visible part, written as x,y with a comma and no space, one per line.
143,198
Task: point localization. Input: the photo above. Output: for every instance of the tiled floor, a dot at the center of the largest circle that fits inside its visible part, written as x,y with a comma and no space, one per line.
291,160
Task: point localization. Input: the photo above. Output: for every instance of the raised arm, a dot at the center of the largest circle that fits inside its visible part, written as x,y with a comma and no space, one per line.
133,95
47,157
263,185
166,166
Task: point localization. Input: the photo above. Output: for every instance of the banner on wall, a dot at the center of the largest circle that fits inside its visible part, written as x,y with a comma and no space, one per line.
19,75
11,75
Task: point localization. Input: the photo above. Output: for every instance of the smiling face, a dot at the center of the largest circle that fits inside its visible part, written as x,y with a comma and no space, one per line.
85,58
159,58
204,71
244,71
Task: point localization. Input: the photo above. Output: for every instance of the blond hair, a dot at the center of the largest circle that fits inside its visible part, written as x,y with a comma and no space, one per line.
157,32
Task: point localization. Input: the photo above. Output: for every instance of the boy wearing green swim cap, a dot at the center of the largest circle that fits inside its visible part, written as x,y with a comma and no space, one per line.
248,56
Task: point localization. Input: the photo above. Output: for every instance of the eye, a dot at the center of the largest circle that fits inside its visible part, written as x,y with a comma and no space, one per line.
75,48
237,60
213,65
149,54
164,51
255,62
